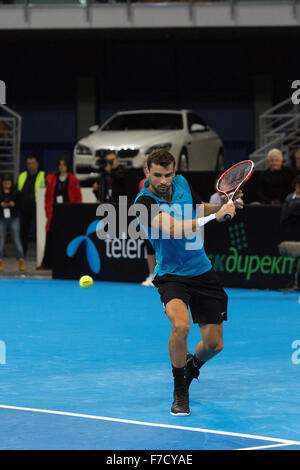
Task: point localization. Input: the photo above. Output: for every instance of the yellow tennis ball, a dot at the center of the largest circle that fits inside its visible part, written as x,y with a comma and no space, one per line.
85,282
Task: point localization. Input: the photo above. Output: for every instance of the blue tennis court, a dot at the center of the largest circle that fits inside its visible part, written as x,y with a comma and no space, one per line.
89,369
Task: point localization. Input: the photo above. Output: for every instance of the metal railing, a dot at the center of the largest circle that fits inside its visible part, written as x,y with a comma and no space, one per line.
89,6
10,141
279,127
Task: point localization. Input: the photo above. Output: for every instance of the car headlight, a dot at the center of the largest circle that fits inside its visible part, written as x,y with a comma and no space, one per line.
166,146
83,149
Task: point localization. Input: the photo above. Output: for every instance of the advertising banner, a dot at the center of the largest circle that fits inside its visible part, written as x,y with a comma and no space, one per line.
244,252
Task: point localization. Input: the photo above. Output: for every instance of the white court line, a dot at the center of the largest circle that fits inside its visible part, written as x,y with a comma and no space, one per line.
266,447
142,423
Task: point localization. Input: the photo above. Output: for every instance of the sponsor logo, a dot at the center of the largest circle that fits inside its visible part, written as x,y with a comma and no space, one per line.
92,255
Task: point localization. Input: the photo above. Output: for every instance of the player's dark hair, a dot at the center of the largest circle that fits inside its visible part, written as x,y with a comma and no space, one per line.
160,157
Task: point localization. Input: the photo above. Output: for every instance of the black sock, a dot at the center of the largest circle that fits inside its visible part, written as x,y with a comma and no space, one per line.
178,374
197,362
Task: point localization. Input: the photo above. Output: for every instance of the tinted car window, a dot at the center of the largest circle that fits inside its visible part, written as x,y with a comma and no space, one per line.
195,119
147,121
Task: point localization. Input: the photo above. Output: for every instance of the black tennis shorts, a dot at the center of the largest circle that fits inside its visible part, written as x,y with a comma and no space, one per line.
203,294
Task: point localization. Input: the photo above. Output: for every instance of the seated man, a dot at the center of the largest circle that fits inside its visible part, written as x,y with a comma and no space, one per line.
295,161
290,214
275,182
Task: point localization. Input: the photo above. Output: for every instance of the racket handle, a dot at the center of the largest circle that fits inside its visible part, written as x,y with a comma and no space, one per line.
228,216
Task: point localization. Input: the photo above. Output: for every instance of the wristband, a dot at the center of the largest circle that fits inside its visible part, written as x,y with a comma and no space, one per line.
203,220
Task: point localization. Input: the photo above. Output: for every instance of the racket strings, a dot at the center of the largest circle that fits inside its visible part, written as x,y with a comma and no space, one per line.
234,176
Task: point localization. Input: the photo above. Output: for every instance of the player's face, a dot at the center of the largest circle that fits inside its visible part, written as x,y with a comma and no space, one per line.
161,178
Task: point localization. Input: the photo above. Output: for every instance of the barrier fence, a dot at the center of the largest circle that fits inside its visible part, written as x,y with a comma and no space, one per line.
244,252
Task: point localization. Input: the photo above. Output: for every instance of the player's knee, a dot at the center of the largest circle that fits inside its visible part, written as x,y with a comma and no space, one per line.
215,346
181,330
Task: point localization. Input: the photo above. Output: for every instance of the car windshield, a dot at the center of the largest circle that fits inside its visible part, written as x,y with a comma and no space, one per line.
146,121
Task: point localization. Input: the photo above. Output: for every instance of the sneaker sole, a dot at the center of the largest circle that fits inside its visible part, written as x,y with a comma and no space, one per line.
179,414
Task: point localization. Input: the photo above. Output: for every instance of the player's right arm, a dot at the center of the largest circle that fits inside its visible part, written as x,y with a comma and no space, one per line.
177,228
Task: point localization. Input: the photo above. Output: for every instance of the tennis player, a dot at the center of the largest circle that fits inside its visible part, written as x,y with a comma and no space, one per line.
183,274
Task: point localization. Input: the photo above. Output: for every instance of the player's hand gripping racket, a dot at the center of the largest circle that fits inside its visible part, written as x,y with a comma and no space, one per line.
232,179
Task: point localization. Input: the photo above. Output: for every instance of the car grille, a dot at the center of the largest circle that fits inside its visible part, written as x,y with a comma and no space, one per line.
122,153
85,169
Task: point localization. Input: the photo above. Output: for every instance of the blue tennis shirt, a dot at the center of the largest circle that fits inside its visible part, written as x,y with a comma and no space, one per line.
183,256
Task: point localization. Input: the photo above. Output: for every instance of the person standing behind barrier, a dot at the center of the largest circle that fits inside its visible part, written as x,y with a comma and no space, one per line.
28,183
111,183
62,186
10,218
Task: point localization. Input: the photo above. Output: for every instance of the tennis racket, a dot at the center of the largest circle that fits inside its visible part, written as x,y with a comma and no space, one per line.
232,179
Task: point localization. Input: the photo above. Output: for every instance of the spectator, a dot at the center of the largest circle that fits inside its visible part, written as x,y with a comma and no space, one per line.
274,182
290,214
151,260
145,170
295,161
111,183
28,183
10,218
62,187
219,198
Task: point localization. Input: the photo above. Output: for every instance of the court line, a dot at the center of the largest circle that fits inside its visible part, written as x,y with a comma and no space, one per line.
266,447
143,423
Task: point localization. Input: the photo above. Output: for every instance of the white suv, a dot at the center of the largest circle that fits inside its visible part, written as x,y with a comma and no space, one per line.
134,134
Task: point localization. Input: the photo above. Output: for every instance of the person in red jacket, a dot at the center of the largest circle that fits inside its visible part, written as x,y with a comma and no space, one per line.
151,260
62,186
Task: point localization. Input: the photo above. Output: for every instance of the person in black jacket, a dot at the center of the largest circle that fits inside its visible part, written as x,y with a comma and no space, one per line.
295,162
290,214
10,218
111,183
275,182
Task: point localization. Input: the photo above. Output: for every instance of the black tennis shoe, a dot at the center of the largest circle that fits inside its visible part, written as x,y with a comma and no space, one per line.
190,371
180,405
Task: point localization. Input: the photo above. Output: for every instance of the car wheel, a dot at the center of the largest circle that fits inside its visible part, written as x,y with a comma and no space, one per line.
220,164
183,161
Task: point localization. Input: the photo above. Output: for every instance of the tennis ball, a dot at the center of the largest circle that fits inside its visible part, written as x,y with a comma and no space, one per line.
86,282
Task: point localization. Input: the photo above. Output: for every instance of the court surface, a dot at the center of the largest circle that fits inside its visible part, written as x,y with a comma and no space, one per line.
89,369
